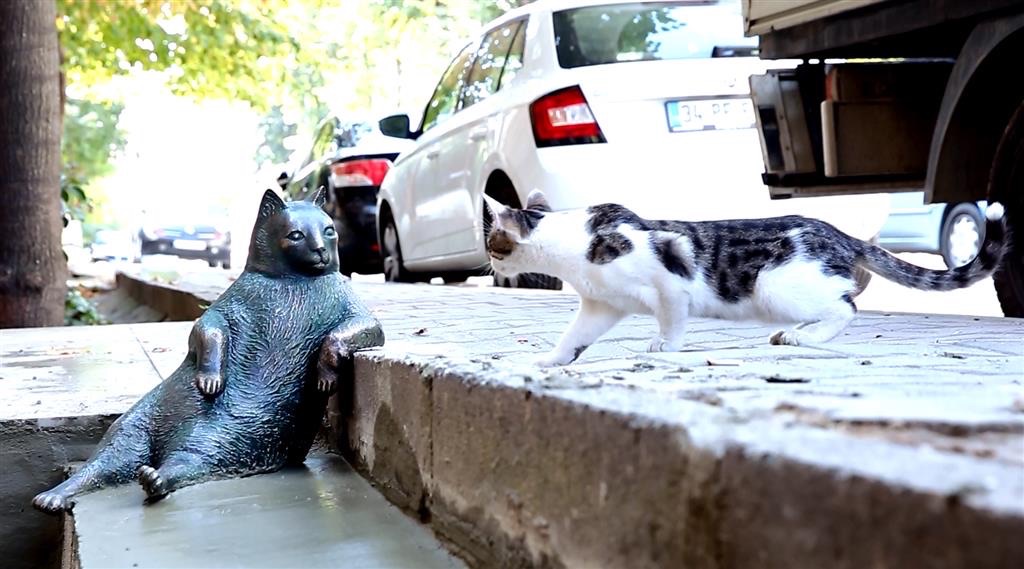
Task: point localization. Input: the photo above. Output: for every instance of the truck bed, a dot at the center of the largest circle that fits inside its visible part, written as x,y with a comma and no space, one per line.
866,28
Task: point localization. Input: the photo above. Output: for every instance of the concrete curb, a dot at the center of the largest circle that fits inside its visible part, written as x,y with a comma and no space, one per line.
516,474
519,467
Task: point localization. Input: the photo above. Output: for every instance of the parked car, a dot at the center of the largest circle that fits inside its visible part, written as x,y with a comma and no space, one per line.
349,158
955,231
115,245
208,241
640,103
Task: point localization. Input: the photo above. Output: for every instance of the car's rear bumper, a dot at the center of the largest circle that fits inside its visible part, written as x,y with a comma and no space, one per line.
166,247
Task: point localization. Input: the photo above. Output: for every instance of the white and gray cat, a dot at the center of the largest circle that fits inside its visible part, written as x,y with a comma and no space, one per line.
785,269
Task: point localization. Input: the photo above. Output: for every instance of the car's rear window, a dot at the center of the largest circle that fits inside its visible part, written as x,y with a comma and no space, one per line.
642,31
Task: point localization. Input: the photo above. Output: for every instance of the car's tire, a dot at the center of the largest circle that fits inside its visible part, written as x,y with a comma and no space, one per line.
212,263
225,264
962,233
1006,186
391,252
528,280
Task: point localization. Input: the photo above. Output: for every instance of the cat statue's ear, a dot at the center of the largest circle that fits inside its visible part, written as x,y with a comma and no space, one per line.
319,197
271,205
537,202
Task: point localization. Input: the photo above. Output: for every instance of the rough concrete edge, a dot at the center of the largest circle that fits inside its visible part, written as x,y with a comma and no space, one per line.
38,452
730,501
174,303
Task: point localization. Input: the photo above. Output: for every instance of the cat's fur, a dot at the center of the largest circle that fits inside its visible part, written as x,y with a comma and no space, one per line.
250,395
785,269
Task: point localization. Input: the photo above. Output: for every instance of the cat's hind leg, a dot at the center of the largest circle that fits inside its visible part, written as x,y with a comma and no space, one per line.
593,320
180,469
832,320
672,314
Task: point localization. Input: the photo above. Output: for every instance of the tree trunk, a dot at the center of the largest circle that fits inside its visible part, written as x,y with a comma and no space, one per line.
32,265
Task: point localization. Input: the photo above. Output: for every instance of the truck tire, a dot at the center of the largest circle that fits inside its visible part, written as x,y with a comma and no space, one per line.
1006,185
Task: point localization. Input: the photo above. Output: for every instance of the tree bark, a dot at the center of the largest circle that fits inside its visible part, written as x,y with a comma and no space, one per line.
32,265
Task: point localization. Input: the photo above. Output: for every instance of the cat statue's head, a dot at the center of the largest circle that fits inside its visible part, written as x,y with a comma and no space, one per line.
508,239
294,238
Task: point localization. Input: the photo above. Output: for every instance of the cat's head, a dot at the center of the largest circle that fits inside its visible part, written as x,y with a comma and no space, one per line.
508,239
295,238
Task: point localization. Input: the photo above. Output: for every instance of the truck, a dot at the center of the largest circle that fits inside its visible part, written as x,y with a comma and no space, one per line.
896,95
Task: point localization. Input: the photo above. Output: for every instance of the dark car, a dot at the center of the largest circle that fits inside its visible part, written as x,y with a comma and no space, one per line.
205,241
349,158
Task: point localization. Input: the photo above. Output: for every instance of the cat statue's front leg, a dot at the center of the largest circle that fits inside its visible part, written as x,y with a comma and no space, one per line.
361,332
208,341
593,319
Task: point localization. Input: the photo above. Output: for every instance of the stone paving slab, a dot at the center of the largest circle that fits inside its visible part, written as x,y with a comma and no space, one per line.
901,443
323,515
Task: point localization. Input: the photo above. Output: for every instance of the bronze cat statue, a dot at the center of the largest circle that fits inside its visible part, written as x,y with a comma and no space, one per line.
262,360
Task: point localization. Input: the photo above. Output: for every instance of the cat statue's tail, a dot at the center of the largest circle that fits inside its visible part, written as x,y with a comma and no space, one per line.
877,260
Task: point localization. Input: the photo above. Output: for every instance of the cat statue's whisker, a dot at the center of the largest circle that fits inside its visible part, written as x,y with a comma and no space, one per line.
785,269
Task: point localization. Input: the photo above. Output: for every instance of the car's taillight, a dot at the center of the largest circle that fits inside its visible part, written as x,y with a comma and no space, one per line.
359,172
564,117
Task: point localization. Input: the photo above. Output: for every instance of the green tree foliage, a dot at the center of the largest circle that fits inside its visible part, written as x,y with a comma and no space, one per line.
90,138
209,48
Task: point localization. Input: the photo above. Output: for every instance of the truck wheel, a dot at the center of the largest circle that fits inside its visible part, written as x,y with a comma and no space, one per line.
1006,185
963,231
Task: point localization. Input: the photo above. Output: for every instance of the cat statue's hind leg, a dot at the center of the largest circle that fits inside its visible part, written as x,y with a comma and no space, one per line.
115,462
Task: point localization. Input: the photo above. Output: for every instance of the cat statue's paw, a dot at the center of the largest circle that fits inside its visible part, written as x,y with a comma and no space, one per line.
152,482
326,380
52,502
209,384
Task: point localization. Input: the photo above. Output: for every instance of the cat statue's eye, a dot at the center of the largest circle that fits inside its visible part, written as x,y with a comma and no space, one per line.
329,231
295,236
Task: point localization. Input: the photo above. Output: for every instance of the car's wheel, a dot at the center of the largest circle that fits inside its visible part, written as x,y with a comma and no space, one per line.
1006,185
225,264
391,251
963,230
212,263
528,280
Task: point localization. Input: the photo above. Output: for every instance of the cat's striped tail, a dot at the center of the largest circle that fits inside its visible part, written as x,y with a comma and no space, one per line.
879,261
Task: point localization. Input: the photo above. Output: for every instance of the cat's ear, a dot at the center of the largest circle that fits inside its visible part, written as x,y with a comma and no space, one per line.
494,206
537,202
271,205
319,197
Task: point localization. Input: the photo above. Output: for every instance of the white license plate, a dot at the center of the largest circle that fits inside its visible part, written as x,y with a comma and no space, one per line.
709,114
189,245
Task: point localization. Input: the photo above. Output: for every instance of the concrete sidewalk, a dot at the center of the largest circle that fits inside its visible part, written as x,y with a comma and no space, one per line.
899,444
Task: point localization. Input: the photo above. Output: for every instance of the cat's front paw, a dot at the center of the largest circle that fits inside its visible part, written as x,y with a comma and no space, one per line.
209,384
659,344
785,338
52,502
552,359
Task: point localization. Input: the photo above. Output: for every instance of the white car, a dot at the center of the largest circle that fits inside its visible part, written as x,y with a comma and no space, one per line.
640,103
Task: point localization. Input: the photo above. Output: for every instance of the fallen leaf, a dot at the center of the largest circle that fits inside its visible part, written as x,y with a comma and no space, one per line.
420,332
724,362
